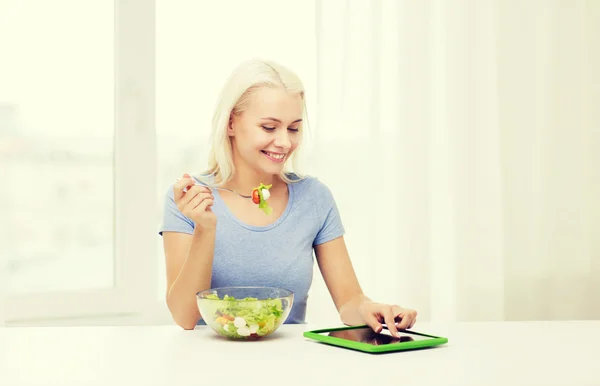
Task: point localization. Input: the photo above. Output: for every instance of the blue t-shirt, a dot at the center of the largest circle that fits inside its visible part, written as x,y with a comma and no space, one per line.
276,255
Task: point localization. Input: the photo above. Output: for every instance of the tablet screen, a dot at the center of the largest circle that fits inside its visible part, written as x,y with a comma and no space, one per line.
367,335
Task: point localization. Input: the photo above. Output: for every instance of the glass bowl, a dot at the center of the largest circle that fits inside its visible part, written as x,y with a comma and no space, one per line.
245,313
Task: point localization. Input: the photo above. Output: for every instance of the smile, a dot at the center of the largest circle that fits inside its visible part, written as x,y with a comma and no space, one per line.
275,157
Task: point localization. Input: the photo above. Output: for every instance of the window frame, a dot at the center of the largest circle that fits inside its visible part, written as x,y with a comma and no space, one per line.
134,168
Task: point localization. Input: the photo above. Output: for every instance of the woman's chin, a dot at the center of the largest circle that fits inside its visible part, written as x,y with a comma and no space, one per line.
271,167
271,171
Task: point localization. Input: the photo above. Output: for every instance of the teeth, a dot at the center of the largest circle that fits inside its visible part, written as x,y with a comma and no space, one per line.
276,156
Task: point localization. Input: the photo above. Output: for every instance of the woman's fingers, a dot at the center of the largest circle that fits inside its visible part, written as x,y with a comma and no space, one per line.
408,317
180,186
193,192
205,205
197,200
390,320
372,322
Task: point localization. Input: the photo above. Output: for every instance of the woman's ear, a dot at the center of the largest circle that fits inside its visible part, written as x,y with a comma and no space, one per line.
230,131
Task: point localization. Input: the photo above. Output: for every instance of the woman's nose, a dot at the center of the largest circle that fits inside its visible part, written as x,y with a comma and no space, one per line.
283,140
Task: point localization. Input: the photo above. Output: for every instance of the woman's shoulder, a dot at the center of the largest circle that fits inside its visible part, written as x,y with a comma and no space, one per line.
309,185
302,181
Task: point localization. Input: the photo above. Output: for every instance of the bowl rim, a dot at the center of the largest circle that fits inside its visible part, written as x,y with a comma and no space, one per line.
291,293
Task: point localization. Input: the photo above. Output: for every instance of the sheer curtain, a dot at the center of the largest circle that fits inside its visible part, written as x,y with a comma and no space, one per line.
459,139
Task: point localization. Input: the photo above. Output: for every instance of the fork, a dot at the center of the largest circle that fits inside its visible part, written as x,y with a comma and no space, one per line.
218,187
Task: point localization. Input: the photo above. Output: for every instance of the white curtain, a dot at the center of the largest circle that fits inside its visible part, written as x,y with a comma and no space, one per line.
460,140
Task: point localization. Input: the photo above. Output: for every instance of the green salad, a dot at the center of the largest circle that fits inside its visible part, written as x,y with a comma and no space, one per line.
245,318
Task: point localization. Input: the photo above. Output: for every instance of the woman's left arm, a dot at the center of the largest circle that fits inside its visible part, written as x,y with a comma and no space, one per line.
352,304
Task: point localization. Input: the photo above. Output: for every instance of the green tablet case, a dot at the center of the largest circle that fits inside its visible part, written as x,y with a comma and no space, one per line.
422,341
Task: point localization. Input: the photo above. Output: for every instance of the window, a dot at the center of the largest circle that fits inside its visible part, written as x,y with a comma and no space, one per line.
57,132
72,139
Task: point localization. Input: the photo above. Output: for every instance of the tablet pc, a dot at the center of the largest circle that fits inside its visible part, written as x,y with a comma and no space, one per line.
363,338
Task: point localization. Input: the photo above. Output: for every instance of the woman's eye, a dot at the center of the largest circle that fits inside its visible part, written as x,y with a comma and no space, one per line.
267,128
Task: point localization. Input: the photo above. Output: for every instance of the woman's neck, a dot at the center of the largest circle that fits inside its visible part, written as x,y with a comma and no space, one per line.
244,181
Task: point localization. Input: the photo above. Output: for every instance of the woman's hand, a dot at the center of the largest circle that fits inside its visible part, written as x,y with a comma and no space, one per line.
395,317
195,203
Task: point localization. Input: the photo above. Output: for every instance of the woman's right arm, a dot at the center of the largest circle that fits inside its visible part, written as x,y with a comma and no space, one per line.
189,258
189,261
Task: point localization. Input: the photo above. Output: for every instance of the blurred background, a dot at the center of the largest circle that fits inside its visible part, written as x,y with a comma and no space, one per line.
471,126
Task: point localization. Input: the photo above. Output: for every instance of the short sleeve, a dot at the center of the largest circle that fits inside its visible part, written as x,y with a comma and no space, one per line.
172,219
331,223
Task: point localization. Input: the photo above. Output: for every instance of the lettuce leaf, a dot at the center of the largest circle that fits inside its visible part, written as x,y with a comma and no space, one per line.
267,314
263,205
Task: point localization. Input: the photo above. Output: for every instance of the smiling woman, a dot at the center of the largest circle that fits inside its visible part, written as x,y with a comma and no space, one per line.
188,85
247,248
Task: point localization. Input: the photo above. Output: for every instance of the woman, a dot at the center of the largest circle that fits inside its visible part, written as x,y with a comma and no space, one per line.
215,238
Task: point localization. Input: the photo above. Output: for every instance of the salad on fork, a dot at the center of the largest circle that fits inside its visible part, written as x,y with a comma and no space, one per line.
259,196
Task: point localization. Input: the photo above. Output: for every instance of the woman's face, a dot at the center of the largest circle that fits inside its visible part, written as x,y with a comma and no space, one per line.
265,135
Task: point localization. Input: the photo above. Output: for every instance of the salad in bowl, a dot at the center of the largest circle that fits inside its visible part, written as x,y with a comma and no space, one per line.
246,313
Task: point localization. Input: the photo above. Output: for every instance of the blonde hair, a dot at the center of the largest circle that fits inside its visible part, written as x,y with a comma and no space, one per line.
234,99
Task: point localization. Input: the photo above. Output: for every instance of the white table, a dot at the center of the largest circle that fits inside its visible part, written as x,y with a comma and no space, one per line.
553,353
